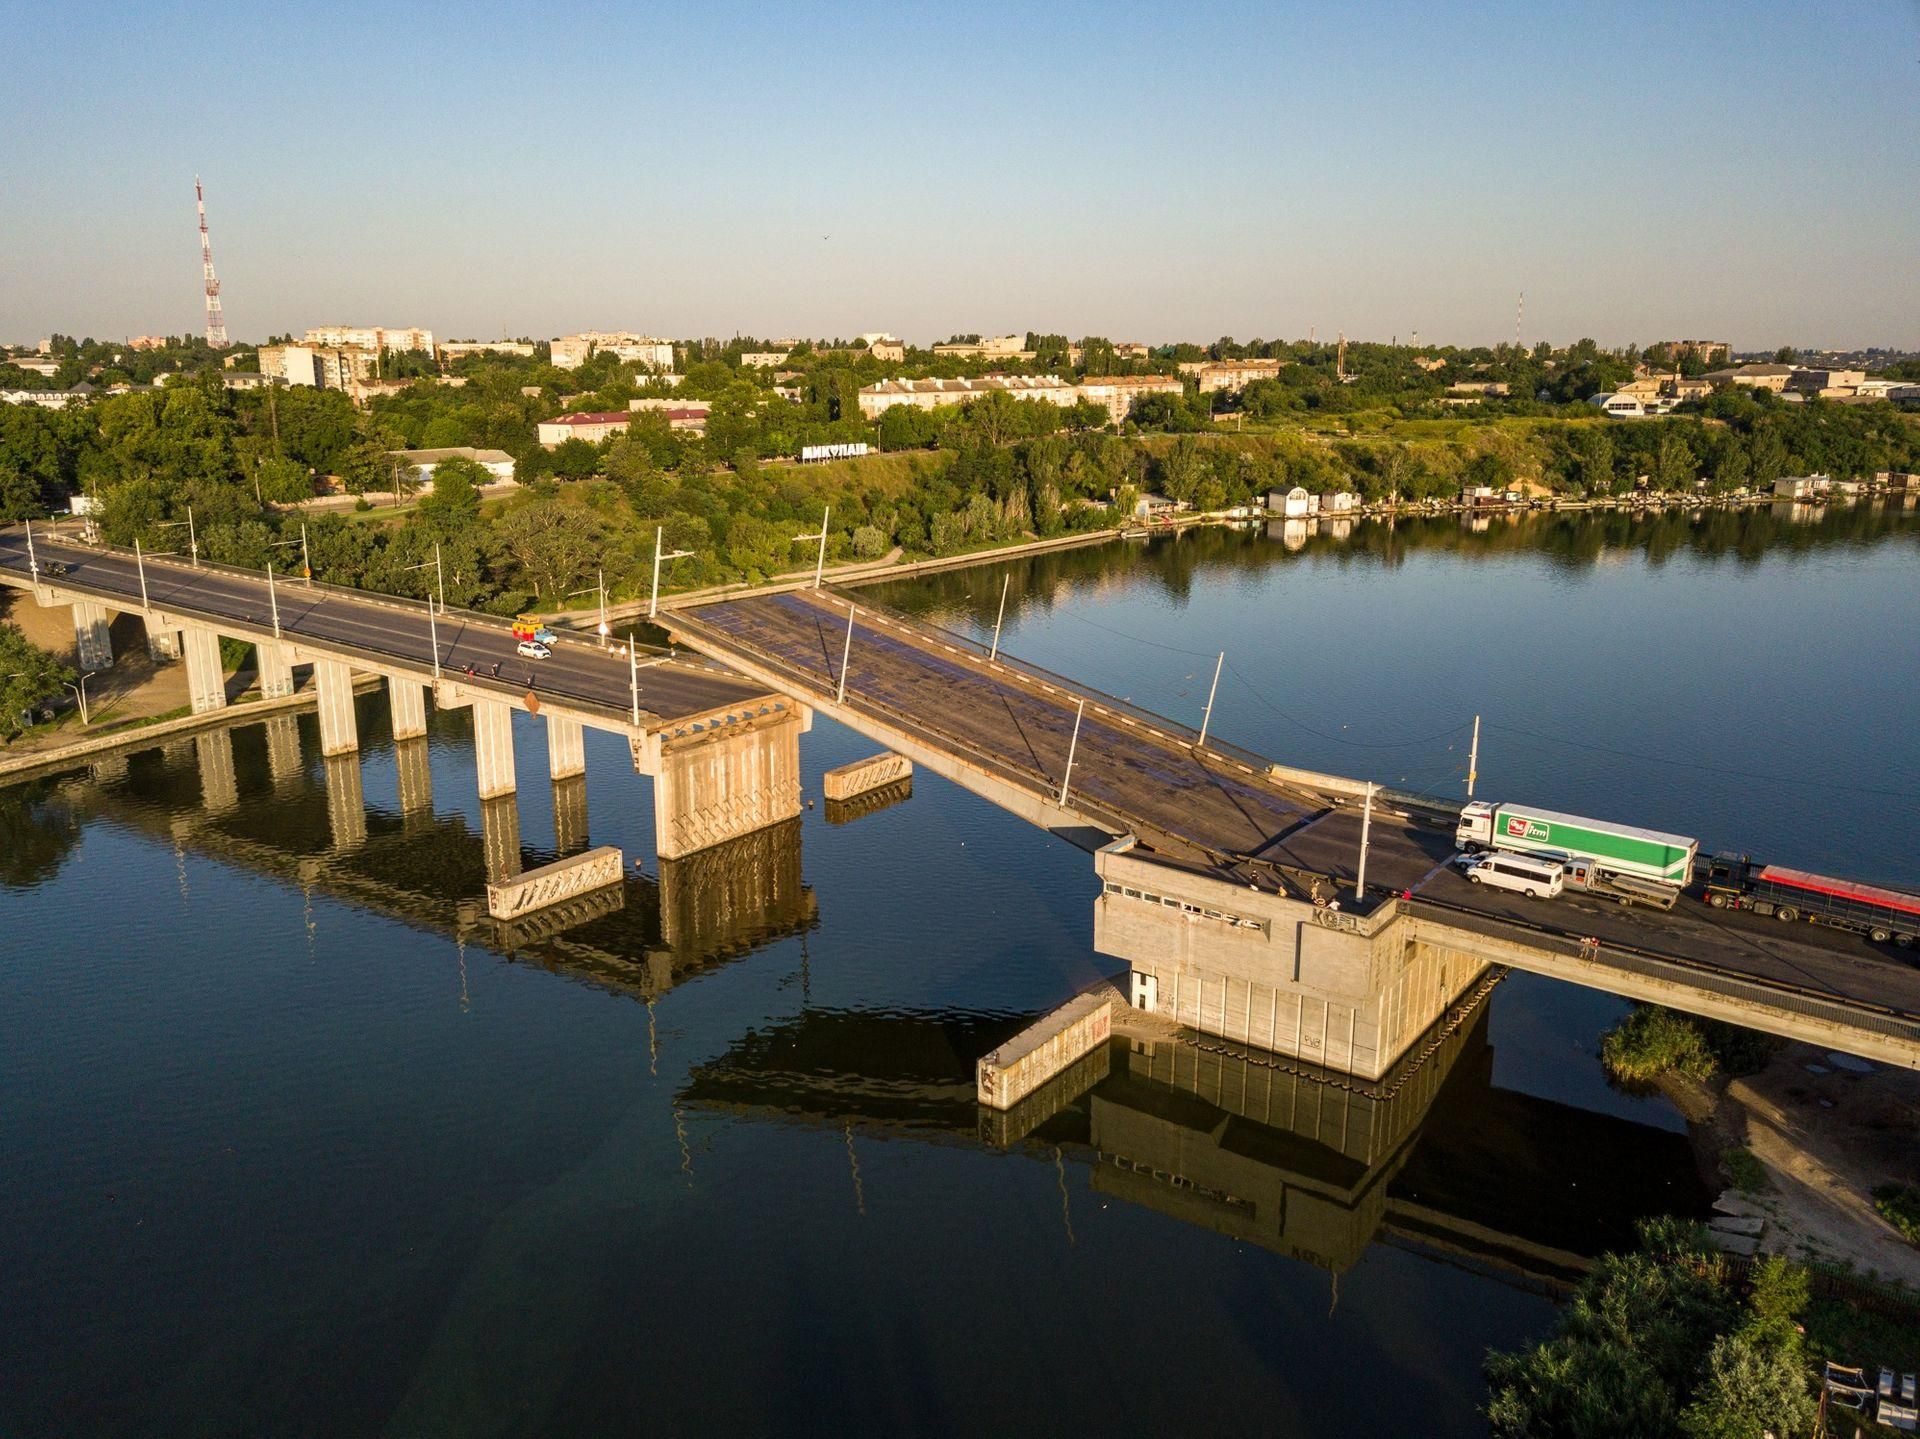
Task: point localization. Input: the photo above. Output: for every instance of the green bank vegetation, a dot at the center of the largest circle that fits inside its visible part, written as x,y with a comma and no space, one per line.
1653,1041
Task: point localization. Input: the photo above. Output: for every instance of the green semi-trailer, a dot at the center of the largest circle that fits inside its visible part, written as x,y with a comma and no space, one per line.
1618,848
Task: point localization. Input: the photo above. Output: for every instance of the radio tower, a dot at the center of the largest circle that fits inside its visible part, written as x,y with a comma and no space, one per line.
216,322
1518,310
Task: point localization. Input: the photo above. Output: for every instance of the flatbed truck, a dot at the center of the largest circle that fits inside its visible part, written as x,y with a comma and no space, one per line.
1883,915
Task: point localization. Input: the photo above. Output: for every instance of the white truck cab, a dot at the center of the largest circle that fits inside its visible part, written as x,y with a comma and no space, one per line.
1475,830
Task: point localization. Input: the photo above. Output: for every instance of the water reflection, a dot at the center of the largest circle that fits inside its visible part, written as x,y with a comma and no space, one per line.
1298,1161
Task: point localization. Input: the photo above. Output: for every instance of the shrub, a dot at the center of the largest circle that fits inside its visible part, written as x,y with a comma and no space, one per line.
1652,1041
1899,1205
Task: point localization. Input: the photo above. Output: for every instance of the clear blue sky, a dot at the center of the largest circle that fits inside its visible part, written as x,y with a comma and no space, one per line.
1742,171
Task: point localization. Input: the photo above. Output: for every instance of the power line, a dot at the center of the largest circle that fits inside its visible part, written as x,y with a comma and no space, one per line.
1266,699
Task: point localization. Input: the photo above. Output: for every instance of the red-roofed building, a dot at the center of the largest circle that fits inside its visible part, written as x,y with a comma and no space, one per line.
593,426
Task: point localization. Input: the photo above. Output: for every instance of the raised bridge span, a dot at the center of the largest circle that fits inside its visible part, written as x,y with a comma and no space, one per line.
1218,866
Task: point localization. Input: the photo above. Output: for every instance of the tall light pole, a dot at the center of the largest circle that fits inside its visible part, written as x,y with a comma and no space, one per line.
1213,689
1366,826
193,542
1005,580
33,565
633,678
653,602
140,563
273,602
599,587
80,693
1473,758
820,563
846,653
1072,746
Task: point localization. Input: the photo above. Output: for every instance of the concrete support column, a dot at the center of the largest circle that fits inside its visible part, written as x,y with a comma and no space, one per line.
206,680
566,747
274,661
493,746
570,814
283,750
415,778
219,784
90,635
500,836
163,641
346,801
724,779
339,728
408,701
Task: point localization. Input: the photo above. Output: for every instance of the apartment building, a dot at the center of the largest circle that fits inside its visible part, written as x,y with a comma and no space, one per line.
451,350
570,352
593,426
997,347
1230,374
370,337
877,399
1118,392
323,367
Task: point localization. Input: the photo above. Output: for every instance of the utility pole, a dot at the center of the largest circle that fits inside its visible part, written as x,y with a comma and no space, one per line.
273,602
439,577
820,564
433,632
633,678
1473,758
140,563
846,653
306,559
1005,580
1366,826
1207,718
1072,746
33,565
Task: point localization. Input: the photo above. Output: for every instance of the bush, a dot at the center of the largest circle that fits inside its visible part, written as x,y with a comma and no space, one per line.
1748,1174
1653,1041
1899,1205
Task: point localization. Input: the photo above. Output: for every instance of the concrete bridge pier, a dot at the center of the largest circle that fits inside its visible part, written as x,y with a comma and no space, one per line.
724,775
500,836
566,747
274,663
415,778
206,678
346,801
163,640
284,762
408,701
493,747
92,643
219,783
570,814
339,727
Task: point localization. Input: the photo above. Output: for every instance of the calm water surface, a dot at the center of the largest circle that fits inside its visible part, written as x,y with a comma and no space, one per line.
295,1147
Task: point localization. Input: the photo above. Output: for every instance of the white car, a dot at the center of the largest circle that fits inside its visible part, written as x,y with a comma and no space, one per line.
534,650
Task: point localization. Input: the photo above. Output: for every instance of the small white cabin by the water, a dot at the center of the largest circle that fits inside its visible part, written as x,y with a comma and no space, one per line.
1339,502
1293,504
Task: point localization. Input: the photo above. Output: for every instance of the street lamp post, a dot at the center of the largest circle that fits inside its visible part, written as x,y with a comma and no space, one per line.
846,653
273,602
820,563
1366,825
1073,747
80,693
653,603
1005,580
599,587
193,540
1207,719
33,565
140,563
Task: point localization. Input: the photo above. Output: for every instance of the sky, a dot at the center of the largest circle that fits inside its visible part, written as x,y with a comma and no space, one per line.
1744,172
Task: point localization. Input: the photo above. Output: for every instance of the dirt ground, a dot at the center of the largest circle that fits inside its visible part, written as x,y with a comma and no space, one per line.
1828,1129
134,688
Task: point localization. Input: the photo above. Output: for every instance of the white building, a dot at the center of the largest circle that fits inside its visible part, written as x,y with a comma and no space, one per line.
370,337
763,359
316,365
1294,504
460,349
570,352
46,399
1118,392
996,347
1230,374
593,426
877,399
497,463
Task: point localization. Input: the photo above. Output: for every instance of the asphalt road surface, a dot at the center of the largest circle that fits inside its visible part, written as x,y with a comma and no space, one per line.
387,630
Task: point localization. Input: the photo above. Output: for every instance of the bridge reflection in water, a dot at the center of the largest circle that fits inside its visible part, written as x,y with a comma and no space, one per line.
1306,1163
260,797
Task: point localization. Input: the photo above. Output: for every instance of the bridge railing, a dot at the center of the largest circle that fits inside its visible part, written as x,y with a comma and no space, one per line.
1175,730
1777,994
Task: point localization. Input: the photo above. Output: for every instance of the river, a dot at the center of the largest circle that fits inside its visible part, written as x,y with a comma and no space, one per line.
293,1147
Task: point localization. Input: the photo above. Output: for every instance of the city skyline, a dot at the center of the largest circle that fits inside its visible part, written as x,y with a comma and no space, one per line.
1118,171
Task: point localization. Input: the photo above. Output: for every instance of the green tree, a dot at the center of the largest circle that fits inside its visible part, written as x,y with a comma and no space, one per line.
29,678
453,504
553,545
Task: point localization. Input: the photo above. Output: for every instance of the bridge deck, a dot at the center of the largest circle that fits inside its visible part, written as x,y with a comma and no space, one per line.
1221,813
389,633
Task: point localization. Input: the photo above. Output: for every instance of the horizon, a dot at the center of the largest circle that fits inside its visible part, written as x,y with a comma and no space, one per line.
1687,178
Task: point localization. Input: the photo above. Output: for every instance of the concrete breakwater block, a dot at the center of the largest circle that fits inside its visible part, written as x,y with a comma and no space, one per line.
551,883
862,775
1042,1050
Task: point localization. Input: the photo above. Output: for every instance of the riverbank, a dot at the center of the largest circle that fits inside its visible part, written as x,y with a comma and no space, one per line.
1823,1132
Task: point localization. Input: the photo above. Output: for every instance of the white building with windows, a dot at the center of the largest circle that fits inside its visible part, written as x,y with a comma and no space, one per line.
570,352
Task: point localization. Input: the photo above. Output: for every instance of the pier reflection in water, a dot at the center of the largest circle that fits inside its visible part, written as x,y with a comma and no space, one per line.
1299,1161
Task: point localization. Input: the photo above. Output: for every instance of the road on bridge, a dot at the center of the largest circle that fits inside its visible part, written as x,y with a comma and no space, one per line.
390,632
1218,809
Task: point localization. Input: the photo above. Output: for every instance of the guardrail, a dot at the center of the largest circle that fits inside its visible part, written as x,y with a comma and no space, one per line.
1757,989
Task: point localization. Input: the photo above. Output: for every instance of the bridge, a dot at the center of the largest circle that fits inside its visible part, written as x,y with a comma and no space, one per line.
1220,871
721,750
1229,885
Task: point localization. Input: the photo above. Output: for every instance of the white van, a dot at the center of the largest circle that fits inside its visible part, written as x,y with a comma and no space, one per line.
1523,873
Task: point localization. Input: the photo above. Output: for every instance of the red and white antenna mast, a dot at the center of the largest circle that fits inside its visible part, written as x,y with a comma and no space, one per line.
216,322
